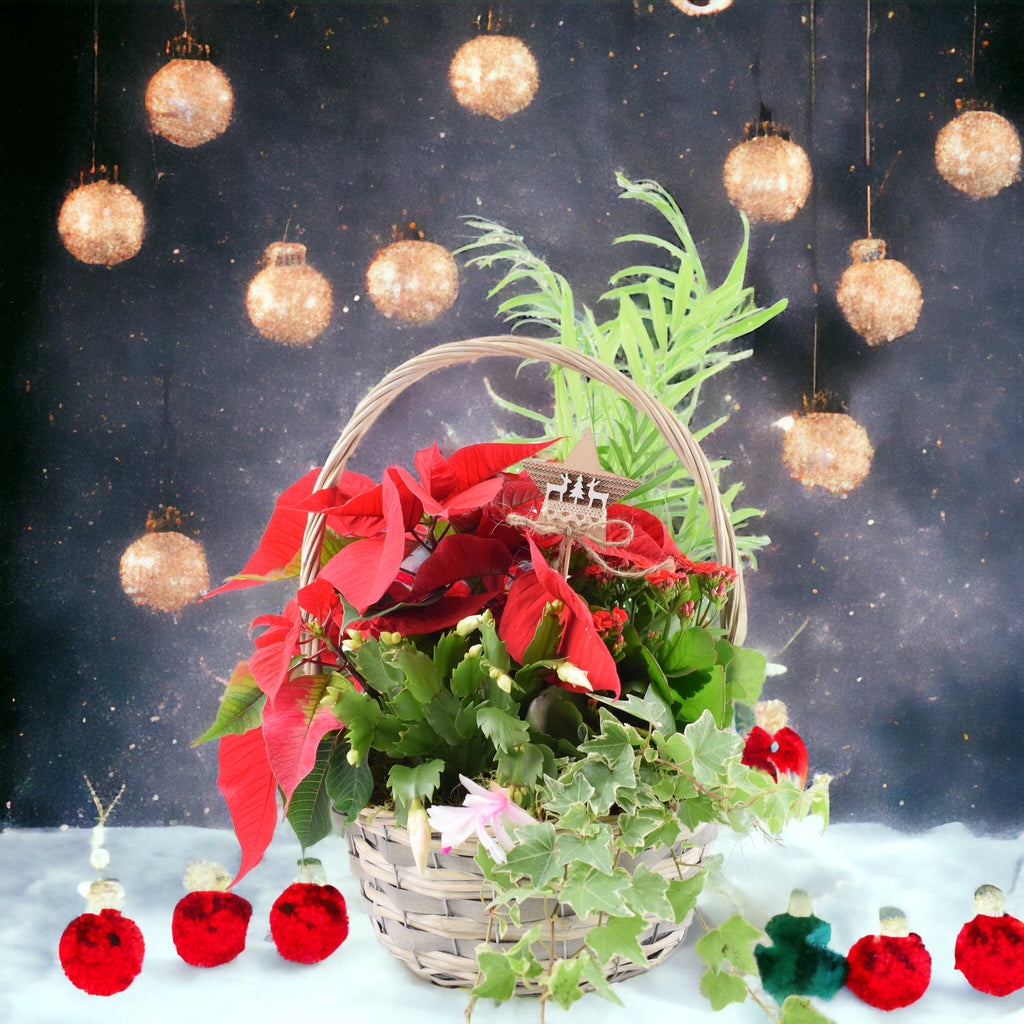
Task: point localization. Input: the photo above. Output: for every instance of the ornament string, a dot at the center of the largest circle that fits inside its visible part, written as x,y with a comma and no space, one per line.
813,211
867,106
95,80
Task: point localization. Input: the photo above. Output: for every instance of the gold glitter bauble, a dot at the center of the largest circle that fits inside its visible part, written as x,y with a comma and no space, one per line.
189,102
978,153
701,6
288,301
880,298
101,223
494,75
164,571
827,449
768,178
413,280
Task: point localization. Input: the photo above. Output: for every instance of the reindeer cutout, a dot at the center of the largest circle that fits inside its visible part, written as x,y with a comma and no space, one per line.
556,491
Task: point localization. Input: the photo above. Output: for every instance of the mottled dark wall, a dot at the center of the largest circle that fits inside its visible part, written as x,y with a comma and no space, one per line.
146,383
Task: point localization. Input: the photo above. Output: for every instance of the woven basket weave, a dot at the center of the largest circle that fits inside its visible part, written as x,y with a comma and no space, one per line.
434,923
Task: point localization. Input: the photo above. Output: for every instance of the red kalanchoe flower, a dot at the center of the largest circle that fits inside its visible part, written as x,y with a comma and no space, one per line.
102,953
308,922
782,751
891,969
208,927
990,948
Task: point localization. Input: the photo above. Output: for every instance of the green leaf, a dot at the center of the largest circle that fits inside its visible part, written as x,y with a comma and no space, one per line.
682,894
309,810
593,972
594,851
618,938
361,715
731,943
648,893
798,1010
566,795
241,707
497,978
710,697
407,782
421,677
689,650
349,786
744,675
503,730
522,766
722,988
589,891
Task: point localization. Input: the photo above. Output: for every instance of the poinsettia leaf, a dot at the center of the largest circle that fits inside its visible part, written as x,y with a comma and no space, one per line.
280,542
247,784
309,810
241,707
293,725
460,557
318,599
271,662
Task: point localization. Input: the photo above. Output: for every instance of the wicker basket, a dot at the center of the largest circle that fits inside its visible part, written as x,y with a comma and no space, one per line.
434,923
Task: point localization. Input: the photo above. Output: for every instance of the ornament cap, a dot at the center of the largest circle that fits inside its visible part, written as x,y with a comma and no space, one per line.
866,250
893,922
284,254
989,901
800,904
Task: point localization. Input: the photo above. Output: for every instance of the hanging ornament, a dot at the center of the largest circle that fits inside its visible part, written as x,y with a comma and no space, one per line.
101,223
701,6
978,153
990,948
413,280
494,75
826,449
309,921
879,297
890,969
768,176
288,301
189,100
101,950
772,746
164,570
209,923
799,962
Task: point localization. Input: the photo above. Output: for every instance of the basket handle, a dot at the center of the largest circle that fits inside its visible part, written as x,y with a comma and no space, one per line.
678,438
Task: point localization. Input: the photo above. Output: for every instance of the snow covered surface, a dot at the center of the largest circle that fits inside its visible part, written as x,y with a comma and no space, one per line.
851,870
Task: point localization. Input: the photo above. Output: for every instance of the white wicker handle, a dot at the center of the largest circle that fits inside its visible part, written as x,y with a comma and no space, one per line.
678,438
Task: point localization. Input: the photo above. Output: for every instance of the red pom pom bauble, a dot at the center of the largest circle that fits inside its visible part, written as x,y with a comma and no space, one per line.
827,449
978,153
308,922
102,953
164,570
413,280
782,751
101,223
208,927
891,969
768,178
494,75
189,102
990,948
880,298
288,301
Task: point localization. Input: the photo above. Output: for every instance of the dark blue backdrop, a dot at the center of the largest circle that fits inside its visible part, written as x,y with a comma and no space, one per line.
146,383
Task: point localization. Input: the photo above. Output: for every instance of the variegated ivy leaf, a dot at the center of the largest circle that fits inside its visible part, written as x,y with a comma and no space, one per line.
567,795
563,984
617,938
682,894
535,856
649,893
594,850
730,942
589,891
722,988
712,748
798,1010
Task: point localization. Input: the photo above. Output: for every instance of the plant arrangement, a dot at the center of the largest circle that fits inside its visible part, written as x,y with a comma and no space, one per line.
537,666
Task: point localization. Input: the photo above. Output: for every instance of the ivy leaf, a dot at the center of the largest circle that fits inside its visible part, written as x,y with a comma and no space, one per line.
648,893
711,747
567,795
497,979
730,942
722,988
594,850
589,891
535,855
798,1010
618,938
564,981
593,972
682,894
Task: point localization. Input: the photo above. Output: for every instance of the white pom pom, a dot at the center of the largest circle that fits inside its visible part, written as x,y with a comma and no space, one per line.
99,859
